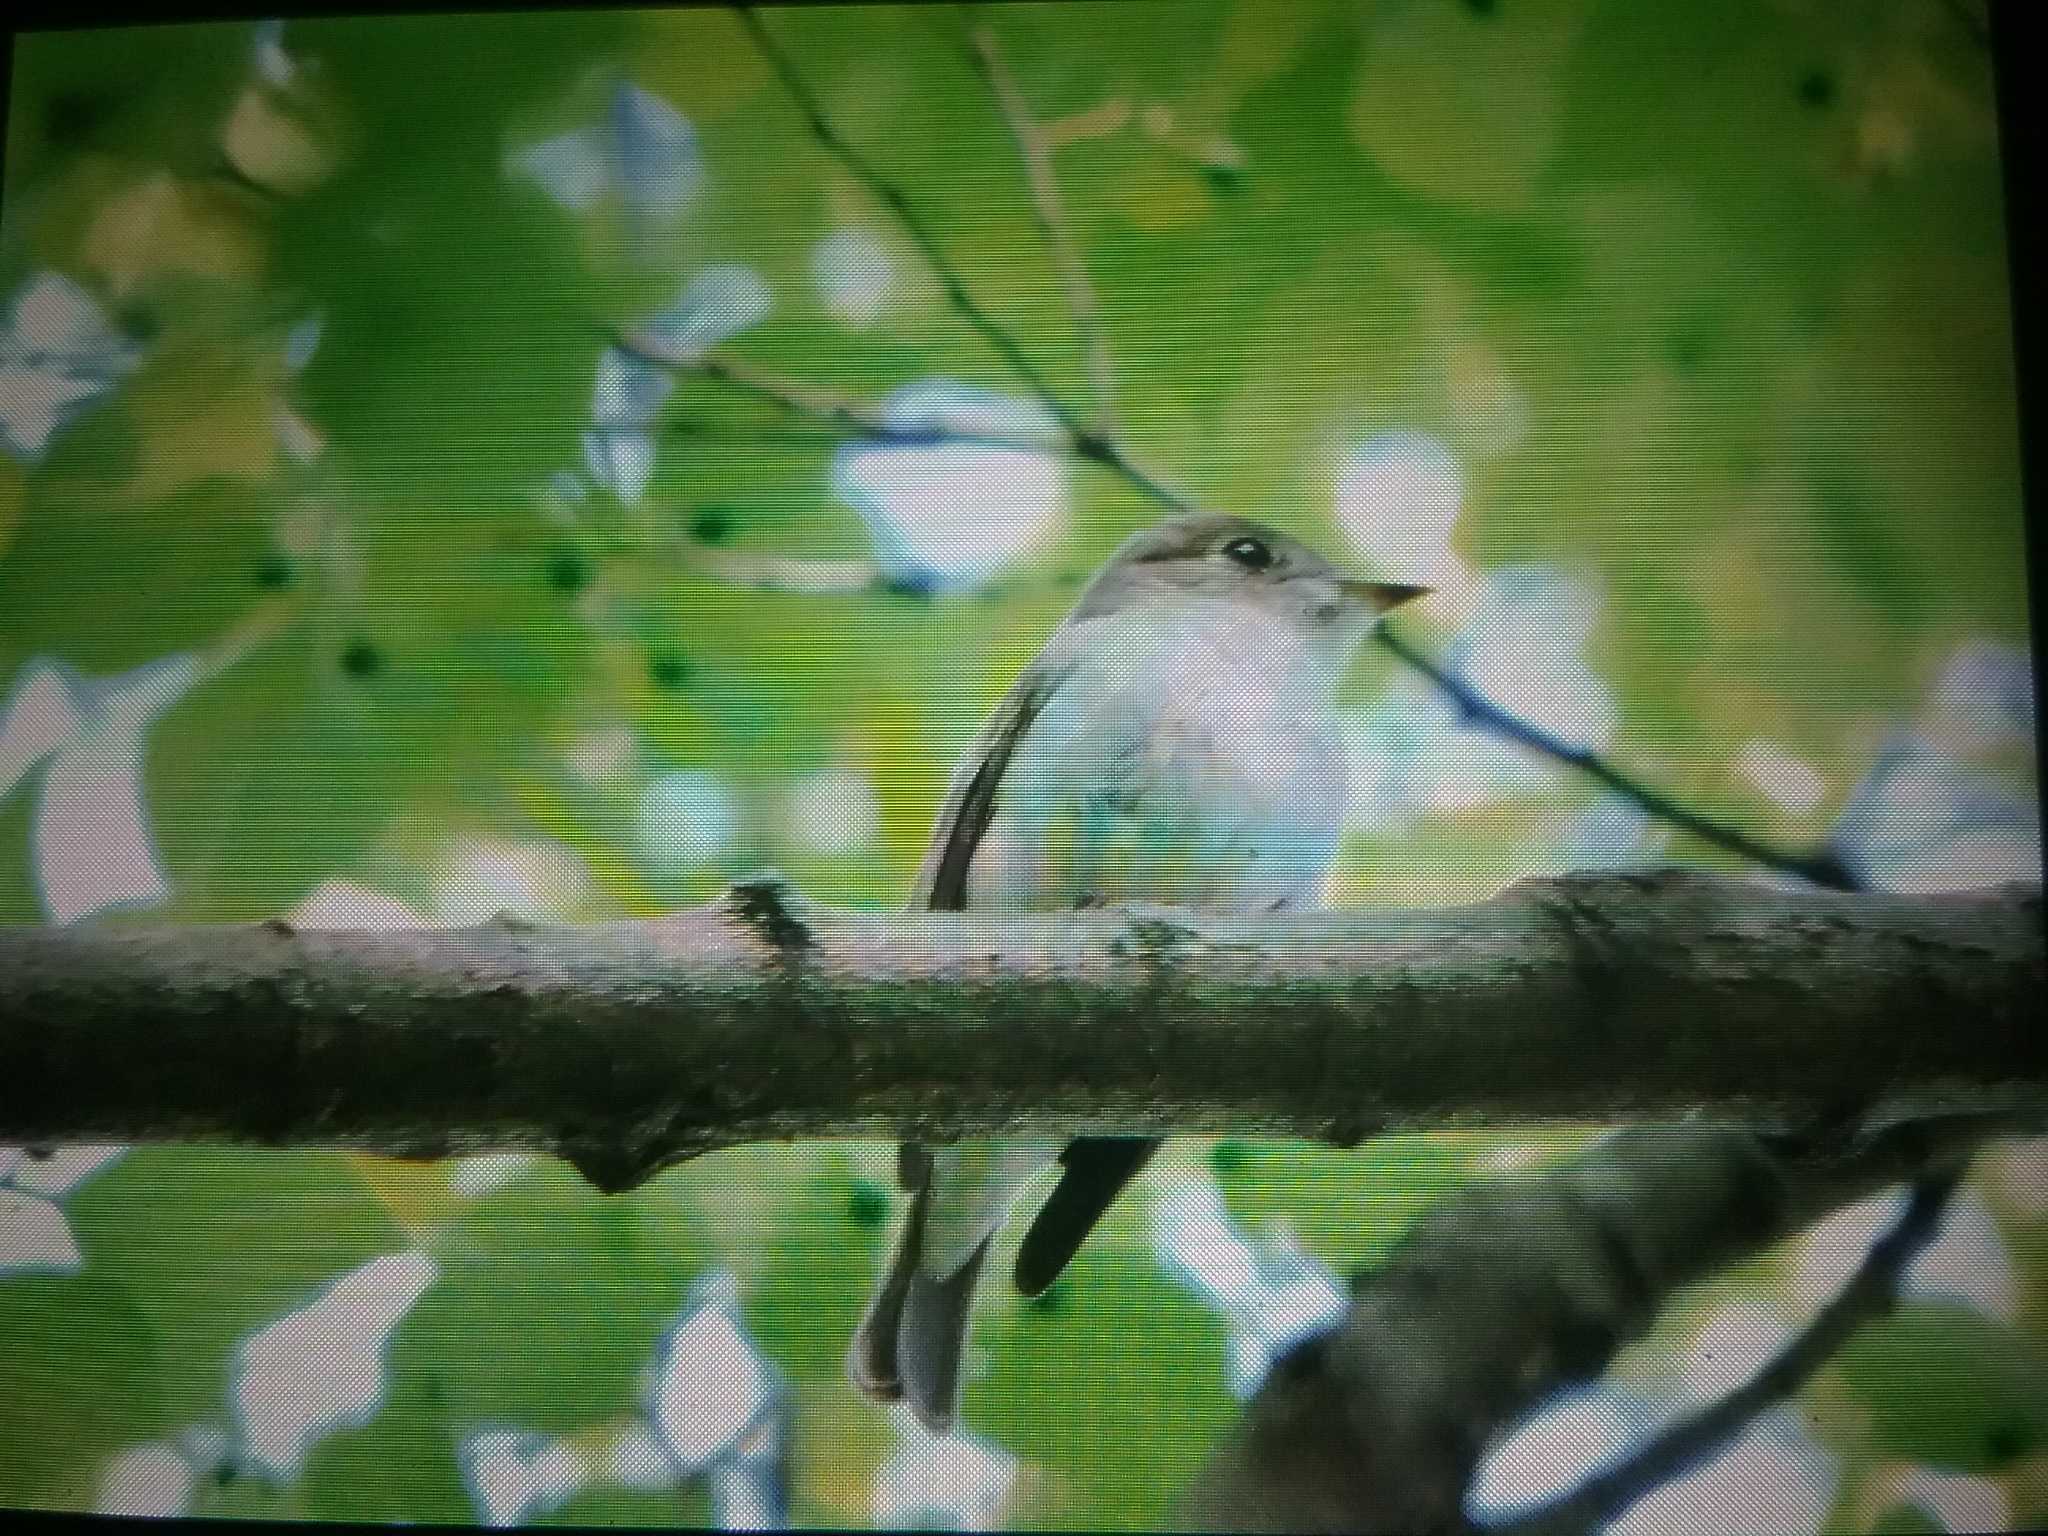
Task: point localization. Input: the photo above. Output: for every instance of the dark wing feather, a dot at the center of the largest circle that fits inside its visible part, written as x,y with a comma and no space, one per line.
971,803
1097,1169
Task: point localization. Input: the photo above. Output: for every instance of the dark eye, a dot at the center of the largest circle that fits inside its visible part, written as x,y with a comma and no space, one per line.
1252,554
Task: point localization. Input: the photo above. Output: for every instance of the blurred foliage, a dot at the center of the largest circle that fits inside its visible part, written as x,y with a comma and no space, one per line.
1707,307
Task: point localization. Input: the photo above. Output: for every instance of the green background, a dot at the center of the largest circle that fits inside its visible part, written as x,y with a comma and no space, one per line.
1738,272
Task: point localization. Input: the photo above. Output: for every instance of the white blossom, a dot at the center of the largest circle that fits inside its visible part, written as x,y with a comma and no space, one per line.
1399,494
321,1368
58,357
513,1476
954,1482
951,516
851,270
687,816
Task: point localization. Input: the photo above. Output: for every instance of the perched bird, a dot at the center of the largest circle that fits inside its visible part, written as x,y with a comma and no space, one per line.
1174,742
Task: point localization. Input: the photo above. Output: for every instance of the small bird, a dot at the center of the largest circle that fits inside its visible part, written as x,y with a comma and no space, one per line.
1175,742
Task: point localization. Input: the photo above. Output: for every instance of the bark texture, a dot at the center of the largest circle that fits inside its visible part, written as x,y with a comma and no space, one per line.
627,1046
1512,1289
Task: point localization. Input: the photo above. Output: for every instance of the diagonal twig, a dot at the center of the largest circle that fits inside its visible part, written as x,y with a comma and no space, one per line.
848,414
1821,867
1035,152
893,198
1679,1447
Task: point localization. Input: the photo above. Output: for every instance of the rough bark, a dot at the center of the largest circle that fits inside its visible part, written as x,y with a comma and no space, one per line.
627,1046
1511,1289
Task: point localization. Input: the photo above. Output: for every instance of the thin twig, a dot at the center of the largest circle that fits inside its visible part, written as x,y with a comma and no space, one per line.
846,413
1036,154
1678,1448
814,576
893,198
1822,867
821,576
1118,459
263,624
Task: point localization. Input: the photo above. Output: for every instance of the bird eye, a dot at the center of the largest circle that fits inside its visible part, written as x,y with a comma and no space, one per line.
1252,554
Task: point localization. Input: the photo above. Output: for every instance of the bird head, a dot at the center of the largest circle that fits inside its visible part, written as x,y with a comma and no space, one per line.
1233,560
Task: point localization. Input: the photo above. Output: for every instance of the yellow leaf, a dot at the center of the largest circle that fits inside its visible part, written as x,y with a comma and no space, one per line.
841,1452
415,1193
200,415
1462,112
1166,195
162,225
701,60
272,148
1259,40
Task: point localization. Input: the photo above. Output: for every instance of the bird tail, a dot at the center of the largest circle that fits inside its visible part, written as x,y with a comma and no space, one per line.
912,1336
909,1343
871,1359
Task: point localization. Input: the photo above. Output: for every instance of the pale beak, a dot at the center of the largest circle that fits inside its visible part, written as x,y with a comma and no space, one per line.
1380,596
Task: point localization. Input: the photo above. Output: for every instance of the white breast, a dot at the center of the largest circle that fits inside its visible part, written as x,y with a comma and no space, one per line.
1188,758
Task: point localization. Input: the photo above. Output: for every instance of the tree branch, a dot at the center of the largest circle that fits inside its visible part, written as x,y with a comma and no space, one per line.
1036,154
1510,1290
627,1046
1822,866
1678,1448
849,415
894,199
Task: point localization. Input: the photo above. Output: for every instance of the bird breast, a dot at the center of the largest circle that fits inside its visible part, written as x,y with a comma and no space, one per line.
1188,757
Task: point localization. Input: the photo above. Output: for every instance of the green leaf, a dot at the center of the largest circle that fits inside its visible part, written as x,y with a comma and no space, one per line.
107,589
687,1508
79,1382
1348,1208
818,1262
398,1468
1948,1386
1125,1358
461,339
211,1245
274,775
550,1303
155,92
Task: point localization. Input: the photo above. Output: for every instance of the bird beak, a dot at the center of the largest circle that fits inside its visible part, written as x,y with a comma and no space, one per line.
1380,596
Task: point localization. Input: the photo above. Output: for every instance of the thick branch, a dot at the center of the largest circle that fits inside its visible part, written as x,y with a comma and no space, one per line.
626,1046
1681,1446
1510,1290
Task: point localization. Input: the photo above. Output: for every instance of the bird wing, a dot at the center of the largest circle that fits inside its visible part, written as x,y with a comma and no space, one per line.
941,884
1095,1171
